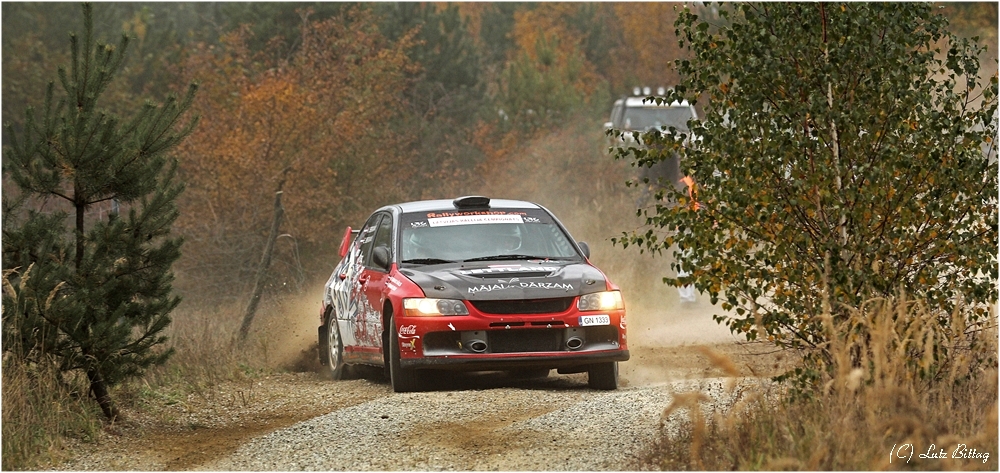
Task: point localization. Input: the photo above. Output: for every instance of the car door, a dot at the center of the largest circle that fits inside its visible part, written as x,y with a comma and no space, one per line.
350,303
373,282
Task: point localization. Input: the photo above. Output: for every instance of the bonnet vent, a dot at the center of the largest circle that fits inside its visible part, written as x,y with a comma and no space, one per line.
471,201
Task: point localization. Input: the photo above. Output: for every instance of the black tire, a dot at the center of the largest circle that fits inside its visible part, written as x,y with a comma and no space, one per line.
603,376
403,380
336,369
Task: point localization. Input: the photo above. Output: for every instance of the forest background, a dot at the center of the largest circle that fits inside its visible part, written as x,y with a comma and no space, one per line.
351,106
346,107
357,105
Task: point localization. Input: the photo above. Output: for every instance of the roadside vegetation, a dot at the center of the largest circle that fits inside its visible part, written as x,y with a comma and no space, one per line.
845,208
881,418
846,152
346,107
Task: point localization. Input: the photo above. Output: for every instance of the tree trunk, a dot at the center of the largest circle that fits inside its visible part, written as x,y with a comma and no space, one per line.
100,390
265,263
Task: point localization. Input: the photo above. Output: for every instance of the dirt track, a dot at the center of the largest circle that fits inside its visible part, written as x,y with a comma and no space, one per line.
472,421
481,416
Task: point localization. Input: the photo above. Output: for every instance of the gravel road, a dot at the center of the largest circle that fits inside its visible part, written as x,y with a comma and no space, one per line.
557,424
475,422
470,422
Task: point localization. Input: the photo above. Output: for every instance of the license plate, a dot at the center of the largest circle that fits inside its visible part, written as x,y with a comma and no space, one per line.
587,320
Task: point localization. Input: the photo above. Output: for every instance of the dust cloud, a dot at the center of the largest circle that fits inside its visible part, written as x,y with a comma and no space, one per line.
570,173
664,331
287,334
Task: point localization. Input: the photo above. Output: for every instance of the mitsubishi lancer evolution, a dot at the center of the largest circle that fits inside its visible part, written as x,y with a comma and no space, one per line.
472,284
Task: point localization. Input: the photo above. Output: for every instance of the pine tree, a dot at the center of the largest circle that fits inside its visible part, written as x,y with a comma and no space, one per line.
92,292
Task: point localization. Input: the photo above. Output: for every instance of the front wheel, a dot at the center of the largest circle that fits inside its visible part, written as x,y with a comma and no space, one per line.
403,379
603,376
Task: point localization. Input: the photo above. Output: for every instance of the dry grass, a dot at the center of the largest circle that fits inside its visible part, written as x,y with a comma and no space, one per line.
205,354
41,406
39,412
929,388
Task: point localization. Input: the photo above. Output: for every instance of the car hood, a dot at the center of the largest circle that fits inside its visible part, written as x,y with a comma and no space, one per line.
507,280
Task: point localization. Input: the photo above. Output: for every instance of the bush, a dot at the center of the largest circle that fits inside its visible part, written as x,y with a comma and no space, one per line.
920,386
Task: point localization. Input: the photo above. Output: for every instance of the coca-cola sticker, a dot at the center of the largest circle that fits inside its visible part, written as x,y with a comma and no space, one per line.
407,330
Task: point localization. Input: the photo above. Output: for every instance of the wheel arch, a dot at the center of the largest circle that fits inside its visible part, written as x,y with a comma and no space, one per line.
386,338
327,313
387,312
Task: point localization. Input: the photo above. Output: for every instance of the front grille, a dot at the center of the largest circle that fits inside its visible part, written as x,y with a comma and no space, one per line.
532,306
506,324
514,341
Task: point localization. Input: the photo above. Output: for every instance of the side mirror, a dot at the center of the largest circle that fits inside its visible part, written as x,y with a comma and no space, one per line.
585,248
380,256
345,243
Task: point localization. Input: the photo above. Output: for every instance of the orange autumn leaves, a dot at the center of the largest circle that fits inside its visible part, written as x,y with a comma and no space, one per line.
566,55
650,45
327,118
317,121
643,49
543,35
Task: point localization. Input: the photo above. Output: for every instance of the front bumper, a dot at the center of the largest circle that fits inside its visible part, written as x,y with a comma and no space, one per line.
485,341
564,362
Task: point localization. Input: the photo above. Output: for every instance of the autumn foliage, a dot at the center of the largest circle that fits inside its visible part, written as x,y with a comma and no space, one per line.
347,108
649,44
317,124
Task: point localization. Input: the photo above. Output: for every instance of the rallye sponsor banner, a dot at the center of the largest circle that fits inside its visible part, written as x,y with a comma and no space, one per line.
420,220
473,220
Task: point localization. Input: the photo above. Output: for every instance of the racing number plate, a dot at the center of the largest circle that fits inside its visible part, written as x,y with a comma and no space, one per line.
587,320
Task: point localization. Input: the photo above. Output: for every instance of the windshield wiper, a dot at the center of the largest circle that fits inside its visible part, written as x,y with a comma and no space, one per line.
427,261
509,257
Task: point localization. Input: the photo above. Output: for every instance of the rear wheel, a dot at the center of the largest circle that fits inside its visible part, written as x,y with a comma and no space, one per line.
603,376
334,355
403,379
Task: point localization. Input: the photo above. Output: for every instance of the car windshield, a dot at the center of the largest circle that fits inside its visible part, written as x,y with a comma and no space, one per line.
493,235
643,118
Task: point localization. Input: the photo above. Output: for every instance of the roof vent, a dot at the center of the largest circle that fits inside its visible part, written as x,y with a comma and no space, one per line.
471,201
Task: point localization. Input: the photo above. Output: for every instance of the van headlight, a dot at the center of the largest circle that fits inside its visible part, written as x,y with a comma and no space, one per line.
608,300
423,307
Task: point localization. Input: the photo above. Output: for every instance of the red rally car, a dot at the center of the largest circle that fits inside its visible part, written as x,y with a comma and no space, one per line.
470,284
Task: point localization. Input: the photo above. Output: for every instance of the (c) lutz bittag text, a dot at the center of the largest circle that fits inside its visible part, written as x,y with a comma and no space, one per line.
962,451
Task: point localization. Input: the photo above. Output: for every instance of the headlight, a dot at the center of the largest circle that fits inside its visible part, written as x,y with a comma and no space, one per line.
609,300
425,307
